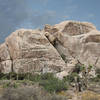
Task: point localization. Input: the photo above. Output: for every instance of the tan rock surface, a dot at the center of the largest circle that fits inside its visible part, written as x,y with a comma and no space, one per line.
31,51
6,66
74,27
76,40
56,48
4,52
5,60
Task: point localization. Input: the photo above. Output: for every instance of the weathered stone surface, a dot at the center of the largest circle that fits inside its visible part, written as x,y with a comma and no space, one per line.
88,50
62,74
5,66
5,61
77,42
57,48
4,52
31,51
74,27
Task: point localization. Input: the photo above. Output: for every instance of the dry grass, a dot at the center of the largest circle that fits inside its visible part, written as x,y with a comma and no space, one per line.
88,95
34,92
65,94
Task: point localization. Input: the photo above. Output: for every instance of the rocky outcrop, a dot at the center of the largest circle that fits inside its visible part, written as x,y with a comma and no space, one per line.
29,51
76,42
55,49
74,27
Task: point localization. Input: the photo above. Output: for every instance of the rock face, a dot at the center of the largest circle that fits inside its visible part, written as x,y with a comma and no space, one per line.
29,51
55,49
75,28
5,60
75,42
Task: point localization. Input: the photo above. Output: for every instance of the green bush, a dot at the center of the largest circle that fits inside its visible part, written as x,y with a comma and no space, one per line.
3,76
79,68
96,79
35,78
71,78
47,76
10,85
51,83
6,85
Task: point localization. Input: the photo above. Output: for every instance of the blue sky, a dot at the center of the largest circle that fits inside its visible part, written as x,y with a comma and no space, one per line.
15,14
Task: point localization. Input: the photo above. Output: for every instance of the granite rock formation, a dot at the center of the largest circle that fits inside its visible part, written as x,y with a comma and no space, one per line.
76,42
55,49
29,51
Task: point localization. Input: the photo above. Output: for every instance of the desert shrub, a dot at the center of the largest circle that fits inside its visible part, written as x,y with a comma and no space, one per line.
21,76
47,76
53,85
10,84
12,76
15,85
79,68
71,78
90,67
6,85
49,82
96,79
3,76
35,78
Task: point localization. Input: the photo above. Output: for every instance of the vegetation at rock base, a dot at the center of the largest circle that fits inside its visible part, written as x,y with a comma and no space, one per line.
75,73
46,80
32,87
49,81
83,81
51,84
54,85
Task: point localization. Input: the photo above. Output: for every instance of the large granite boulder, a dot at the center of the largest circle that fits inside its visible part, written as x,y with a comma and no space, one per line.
76,42
74,27
55,49
30,51
70,28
